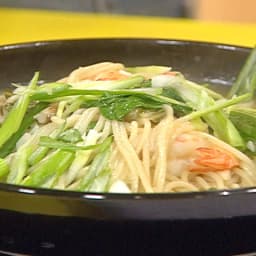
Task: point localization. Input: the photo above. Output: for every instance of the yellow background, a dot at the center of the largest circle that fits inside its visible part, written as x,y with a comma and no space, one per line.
33,25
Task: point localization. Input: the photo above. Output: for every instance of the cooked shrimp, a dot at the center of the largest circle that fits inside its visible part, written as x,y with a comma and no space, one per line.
112,75
191,153
94,72
170,73
212,159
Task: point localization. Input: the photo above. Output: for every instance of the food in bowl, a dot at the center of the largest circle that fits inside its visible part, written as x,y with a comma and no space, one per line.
111,128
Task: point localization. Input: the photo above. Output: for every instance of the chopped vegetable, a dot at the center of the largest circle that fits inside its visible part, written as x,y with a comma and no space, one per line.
116,104
117,107
19,165
53,143
40,152
199,99
27,121
55,163
217,106
82,156
14,118
246,80
72,135
97,170
244,120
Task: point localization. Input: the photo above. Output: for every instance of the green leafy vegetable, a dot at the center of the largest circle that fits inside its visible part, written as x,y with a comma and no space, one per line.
245,121
55,163
117,107
51,89
20,160
101,181
77,102
37,155
14,118
217,106
19,165
71,135
27,121
40,152
99,93
63,90
82,157
173,94
223,128
98,170
246,80
198,98
53,143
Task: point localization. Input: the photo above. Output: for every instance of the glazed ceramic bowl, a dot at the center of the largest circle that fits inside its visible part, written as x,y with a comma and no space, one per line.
51,222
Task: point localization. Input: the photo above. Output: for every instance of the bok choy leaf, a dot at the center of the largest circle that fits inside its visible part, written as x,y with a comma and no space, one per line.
199,99
56,162
246,80
15,117
98,174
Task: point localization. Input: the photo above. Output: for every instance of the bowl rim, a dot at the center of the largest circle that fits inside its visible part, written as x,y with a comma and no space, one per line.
4,187
166,41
